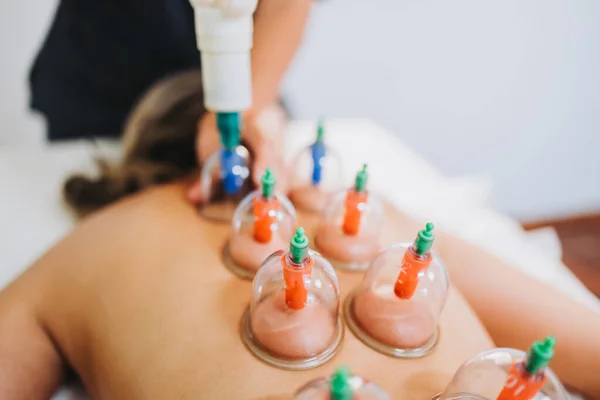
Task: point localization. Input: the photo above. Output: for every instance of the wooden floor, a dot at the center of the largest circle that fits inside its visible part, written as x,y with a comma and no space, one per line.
580,238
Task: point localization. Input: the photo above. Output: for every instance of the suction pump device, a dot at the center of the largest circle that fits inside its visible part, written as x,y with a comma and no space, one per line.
293,320
262,223
349,233
317,174
225,176
396,308
224,31
341,385
508,374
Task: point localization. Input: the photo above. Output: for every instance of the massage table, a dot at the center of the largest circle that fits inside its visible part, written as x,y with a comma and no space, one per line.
33,218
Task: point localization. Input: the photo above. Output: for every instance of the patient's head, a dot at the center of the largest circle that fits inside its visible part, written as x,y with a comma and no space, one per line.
158,145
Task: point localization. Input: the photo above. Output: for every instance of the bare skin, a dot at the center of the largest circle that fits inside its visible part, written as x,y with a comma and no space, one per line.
399,324
310,198
333,243
296,335
137,301
30,364
249,254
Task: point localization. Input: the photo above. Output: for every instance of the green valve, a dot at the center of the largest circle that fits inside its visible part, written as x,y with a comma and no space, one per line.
229,125
299,246
361,179
320,130
424,240
539,355
339,385
268,183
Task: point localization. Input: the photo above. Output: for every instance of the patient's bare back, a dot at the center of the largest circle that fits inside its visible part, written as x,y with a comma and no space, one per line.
139,303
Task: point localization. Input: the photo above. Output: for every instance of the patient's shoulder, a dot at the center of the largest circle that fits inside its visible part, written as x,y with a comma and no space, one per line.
154,205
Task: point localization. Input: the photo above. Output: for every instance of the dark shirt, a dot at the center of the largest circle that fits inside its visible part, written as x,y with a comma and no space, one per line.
99,58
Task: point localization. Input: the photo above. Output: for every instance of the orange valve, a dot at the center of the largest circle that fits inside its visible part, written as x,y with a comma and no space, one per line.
355,199
265,209
416,259
526,378
265,213
296,267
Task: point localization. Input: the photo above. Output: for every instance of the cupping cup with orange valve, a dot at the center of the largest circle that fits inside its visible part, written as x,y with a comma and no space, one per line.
508,374
349,232
293,320
262,224
395,309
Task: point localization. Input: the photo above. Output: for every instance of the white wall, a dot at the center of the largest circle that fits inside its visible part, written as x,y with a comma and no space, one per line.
507,87
23,25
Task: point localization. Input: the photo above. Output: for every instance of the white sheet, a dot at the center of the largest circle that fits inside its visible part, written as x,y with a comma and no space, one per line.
32,217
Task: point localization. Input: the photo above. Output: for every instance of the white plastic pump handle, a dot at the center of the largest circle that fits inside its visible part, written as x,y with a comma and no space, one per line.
201,3
227,81
225,41
236,8
229,8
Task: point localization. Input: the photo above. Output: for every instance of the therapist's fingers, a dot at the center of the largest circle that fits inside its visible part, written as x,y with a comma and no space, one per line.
267,159
207,137
264,135
207,142
194,193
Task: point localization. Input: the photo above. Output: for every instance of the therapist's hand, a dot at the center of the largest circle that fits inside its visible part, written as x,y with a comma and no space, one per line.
262,133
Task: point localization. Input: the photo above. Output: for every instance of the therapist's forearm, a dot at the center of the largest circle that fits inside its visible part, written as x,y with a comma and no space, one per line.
278,30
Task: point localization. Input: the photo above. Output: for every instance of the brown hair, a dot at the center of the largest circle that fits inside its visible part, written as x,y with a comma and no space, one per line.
158,145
